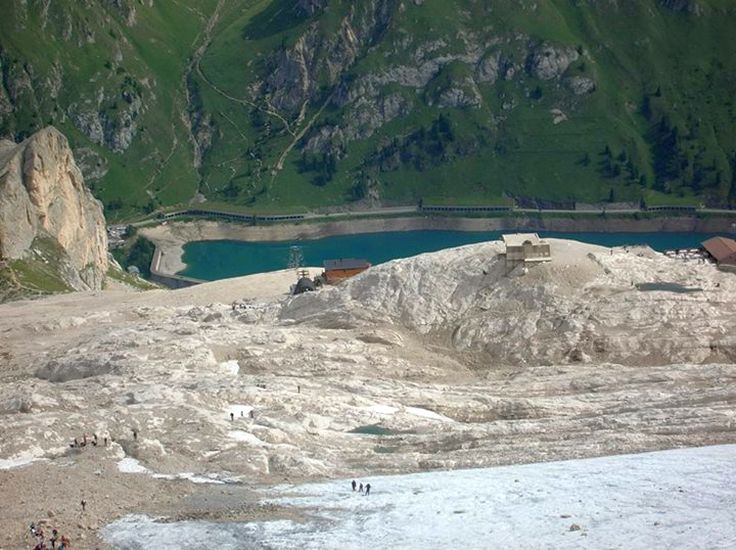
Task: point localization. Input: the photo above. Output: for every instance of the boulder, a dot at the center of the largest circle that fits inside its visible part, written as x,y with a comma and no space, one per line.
580,85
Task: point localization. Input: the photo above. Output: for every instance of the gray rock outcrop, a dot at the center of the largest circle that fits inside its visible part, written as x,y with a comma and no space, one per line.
113,128
547,62
580,85
43,195
299,72
457,94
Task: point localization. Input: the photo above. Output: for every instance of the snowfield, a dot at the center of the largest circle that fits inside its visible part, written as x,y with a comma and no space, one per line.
683,498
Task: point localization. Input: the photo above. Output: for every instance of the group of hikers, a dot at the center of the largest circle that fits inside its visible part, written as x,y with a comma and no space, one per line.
55,541
94,441
251,414
77,444
362,490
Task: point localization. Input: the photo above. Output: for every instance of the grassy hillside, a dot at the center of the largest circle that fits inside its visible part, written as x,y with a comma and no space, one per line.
92,57
296,105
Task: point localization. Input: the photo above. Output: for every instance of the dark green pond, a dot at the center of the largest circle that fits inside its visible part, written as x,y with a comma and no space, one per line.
213,260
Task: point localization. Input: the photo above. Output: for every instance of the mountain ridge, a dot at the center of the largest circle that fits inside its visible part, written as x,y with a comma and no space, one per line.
275,106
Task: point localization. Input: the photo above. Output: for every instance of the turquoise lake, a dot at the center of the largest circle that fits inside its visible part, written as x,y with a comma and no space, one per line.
213,260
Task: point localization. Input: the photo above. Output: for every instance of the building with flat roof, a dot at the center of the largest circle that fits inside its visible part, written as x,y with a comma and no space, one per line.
525,249
722,250
344,268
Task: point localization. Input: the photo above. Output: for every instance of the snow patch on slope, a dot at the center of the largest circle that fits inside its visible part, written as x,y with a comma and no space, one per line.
230,367
130,465
670,499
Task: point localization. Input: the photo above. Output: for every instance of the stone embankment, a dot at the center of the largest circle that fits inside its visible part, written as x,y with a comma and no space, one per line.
168,279
172,236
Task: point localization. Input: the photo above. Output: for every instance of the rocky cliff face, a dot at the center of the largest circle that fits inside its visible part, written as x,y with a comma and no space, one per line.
42,195
298,73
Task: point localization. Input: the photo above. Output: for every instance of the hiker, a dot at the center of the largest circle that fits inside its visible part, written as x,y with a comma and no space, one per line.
242,413
232,417
84,440
252,413
54,538
105,440
354,485
84,505
65,543
360,489
135,434
299,390
367,488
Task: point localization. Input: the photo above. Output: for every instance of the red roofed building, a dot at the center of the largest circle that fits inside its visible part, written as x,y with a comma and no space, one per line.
722,250
339,270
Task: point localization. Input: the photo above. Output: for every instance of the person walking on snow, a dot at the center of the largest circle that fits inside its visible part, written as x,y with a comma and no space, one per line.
354,485
367,488
360,489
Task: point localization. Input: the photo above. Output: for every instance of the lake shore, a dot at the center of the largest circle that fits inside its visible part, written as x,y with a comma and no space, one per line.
172,236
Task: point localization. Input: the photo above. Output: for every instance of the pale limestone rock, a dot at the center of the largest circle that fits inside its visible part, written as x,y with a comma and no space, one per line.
42,194
463,364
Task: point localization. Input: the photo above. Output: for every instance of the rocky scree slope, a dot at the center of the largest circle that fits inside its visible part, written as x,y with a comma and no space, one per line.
417,364
48,217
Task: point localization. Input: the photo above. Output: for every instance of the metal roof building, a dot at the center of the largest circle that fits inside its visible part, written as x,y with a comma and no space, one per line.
344,268
722,250
346,263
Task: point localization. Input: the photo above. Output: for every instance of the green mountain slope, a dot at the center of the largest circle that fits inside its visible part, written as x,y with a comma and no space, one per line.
284,105
111,76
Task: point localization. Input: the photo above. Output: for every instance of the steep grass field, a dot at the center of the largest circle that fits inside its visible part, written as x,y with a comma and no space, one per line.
105,75
276,105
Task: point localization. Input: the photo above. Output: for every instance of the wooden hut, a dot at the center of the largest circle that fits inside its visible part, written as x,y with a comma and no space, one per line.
344,268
